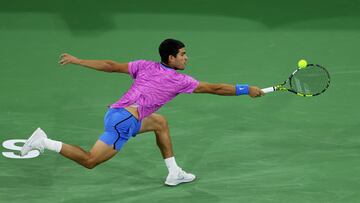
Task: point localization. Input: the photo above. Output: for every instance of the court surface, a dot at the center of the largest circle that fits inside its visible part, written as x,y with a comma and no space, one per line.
278,148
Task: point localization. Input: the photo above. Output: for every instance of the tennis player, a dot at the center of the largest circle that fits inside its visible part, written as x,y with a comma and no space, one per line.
155,84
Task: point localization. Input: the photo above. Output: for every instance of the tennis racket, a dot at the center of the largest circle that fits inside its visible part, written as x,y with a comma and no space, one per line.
309,81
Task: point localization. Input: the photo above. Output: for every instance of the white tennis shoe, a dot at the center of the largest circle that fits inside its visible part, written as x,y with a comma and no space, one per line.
36,141
180,177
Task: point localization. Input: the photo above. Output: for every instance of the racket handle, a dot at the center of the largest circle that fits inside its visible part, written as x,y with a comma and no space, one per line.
268,90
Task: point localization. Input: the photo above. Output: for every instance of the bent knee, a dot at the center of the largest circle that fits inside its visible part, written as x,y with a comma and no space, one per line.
89,166
161,122
90,163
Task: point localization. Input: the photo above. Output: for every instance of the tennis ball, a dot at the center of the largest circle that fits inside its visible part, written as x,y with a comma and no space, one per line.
302,63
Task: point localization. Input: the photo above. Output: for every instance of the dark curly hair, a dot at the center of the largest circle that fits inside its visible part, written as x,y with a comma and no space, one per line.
169,47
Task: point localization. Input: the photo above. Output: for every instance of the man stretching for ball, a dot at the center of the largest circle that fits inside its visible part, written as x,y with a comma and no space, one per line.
155,84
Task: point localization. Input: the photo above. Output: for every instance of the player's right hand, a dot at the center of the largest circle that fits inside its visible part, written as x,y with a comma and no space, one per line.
255,92
67,58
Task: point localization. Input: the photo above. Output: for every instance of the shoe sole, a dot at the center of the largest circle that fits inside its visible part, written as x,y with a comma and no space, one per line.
172,185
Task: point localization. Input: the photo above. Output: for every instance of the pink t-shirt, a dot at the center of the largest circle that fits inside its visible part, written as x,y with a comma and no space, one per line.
154,85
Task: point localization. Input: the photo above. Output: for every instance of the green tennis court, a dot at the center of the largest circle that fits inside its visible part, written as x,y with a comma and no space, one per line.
278,148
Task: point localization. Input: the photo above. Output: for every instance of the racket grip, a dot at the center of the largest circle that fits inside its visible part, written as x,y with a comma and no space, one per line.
268,90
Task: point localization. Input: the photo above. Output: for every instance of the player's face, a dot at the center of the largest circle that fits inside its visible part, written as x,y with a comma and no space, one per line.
181,59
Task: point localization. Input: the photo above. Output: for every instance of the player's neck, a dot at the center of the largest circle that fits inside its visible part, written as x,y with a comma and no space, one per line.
168,66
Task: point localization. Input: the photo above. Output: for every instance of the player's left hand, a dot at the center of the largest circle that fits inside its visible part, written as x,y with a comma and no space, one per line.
67,58
255,92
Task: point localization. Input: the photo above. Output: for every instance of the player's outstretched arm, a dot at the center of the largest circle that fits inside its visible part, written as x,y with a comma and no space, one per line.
100,65
228,90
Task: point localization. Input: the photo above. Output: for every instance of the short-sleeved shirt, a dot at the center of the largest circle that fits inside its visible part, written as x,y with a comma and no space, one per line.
154,85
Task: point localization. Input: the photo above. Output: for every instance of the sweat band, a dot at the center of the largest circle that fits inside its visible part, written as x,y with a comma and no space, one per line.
241,89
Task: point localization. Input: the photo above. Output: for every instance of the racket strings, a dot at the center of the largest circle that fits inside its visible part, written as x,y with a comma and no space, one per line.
310,81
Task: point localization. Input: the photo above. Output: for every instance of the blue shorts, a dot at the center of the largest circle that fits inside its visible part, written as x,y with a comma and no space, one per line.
120,126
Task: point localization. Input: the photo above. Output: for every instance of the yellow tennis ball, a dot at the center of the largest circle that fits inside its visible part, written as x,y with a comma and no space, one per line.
302,63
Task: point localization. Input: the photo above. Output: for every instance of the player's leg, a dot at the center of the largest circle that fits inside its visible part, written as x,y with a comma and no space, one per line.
99,153
117,123
160,127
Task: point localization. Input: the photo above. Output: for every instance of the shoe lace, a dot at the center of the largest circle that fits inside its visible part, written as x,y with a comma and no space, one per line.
182,173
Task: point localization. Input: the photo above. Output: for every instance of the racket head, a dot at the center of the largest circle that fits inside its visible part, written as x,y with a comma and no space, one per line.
310,81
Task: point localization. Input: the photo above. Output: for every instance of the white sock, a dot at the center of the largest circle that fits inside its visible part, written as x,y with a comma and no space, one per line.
171,165
52,145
